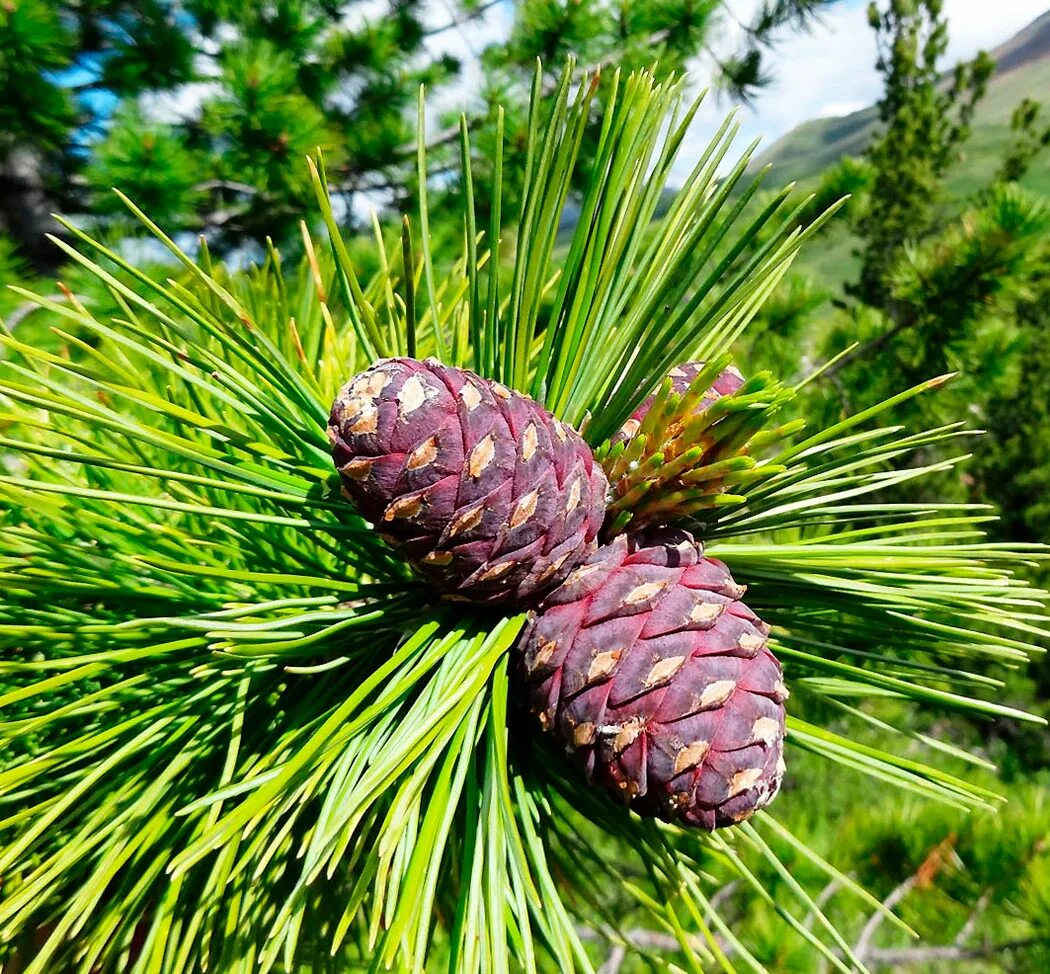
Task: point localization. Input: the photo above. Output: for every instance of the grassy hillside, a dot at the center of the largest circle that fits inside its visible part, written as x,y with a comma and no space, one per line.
805,152
1024,71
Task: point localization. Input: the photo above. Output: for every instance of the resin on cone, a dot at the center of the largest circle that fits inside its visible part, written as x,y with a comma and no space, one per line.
651,670
490,496
729,380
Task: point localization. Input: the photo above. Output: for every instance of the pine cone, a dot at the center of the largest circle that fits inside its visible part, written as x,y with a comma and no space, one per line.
729,381
654,674
490,496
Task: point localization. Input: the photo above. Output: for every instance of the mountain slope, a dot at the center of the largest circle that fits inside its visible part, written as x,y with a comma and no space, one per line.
1023,70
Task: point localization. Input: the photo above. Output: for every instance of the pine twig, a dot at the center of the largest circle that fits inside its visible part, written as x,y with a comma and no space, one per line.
862,947
24,310
867,349
861,352
642,939
825,894
724,893
971,921
456,22
614,961
232,185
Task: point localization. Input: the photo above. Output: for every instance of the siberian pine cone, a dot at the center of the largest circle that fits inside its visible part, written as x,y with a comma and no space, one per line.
650,669
486,493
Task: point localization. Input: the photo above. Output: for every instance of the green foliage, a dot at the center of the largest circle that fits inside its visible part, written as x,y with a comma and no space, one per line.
959,288
1029,141
1011,466
267,128
249,89
939,289
636,34
851,179
775,338
32,42
12,267
239,735
963,301
967,300
962,291
156,159
13,270
972,886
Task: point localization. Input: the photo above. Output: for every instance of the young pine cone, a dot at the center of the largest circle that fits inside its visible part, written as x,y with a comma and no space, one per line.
728,381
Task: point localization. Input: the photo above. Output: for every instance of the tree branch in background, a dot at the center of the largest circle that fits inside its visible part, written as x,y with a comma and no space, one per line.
862,946
464,21
640,939
614,961
24,310
907,956
227,184
971,921
648,940
826,893
865,351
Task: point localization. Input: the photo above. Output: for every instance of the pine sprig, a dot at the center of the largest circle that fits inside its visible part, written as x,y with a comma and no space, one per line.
689,452
238,735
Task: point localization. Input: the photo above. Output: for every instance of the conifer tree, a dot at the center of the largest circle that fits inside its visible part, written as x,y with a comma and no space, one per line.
924,124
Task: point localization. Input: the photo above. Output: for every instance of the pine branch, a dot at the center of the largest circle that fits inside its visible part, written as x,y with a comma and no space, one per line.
971,921
865,351
236,724
640,939
825,895
862,948
614,961
456,22
230,185
22,311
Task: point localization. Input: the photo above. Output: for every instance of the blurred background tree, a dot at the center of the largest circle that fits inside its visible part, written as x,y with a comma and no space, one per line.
924,123
248,89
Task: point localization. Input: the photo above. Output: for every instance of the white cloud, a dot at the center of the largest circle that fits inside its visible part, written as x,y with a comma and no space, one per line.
180,104
836,108
977,24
